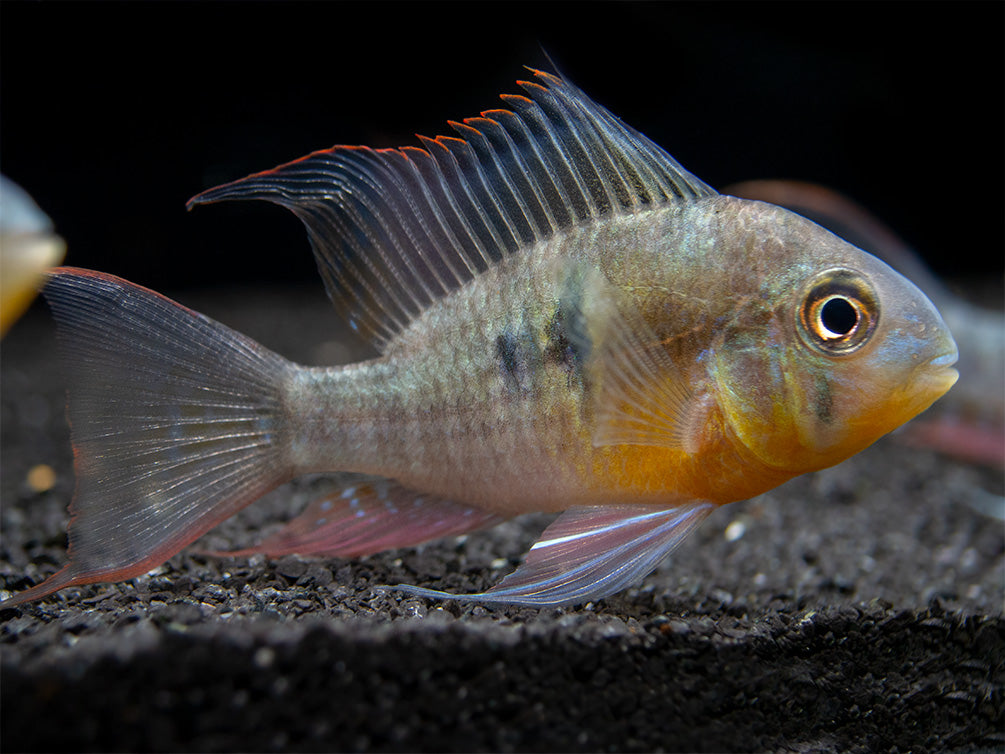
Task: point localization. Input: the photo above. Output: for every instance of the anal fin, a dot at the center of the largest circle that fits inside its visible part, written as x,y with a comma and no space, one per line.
367,516
588,553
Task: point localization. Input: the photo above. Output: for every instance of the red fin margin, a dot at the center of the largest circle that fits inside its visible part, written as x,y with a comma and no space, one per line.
369,517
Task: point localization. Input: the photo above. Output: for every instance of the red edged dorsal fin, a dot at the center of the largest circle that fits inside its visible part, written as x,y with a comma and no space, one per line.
395,229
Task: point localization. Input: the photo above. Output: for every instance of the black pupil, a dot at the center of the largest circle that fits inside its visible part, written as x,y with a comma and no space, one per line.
839,316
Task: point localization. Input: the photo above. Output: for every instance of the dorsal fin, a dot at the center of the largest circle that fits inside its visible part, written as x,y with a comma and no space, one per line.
395,229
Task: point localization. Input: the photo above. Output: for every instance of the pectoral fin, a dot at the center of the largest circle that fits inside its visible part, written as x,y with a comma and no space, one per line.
367,516
588,553
642,397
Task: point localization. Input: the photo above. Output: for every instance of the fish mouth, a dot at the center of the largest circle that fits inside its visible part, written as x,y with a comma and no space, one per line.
947,359
938,374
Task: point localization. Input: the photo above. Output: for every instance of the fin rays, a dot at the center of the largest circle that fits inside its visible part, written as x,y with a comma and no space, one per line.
176,420
370,515
589,553
395,229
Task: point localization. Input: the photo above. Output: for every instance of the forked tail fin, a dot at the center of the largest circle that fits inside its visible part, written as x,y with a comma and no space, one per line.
177,423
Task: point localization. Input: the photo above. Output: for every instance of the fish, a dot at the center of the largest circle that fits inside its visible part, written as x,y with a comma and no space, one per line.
567,321
28,247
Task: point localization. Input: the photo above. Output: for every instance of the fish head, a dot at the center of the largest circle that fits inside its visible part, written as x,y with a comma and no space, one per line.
836,350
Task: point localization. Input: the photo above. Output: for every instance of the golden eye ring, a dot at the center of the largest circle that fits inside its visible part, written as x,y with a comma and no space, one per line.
839,312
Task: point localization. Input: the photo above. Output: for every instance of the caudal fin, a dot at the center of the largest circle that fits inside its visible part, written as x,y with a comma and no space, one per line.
177,424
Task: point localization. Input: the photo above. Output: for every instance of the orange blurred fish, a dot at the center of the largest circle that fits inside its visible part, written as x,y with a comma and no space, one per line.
28,247
568,321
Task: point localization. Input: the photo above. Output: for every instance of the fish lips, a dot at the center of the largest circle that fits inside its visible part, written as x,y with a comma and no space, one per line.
938,374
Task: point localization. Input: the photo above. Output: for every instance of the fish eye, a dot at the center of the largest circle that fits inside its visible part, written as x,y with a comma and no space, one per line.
839,312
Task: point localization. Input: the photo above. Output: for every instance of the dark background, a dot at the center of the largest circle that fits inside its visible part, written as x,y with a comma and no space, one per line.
860,608
113,115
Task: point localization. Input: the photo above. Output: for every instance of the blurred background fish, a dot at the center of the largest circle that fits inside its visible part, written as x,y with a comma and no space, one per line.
28,247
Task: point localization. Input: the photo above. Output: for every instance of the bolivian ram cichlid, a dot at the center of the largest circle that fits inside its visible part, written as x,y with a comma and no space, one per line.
568,321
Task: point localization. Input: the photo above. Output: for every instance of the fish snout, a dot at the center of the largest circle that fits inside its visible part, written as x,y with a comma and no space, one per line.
938,373
926,337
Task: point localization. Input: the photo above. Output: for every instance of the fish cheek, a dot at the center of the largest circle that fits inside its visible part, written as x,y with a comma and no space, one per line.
761,395
823,399
814,407
834,403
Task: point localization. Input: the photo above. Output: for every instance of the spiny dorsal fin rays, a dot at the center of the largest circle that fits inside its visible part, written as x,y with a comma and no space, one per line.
657,176
501,177
461,187
395,229
518,152
554,149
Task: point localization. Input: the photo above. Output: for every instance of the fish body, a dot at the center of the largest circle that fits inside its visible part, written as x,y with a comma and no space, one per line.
568,321
468,403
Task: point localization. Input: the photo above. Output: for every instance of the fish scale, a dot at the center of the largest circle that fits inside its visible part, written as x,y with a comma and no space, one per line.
567,321
437,413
